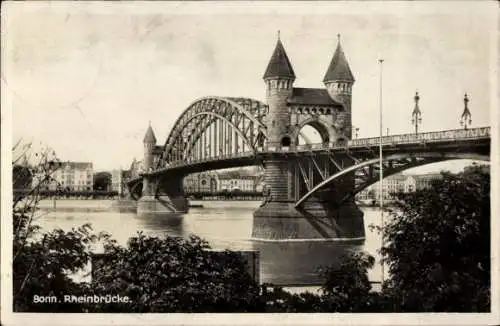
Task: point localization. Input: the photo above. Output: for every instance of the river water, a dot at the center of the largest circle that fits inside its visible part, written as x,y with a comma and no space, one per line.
225,225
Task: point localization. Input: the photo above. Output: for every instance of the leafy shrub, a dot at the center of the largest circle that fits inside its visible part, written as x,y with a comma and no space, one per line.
438,245
174,275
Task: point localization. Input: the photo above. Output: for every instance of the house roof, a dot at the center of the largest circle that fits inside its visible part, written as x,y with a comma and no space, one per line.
396,177
312,96
339,67
279,65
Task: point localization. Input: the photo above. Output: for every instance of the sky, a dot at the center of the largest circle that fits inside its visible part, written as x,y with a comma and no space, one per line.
86,78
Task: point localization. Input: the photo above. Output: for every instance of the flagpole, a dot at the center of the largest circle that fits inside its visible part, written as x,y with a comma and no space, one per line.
381,172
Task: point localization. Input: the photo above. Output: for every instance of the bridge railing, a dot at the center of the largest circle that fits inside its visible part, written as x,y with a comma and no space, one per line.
457,134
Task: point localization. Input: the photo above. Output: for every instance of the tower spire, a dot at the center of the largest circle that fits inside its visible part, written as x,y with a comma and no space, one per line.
279,65
150,135
339,69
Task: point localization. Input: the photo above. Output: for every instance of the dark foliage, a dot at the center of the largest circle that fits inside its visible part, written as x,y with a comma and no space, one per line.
438,245
174,275
43,265
22,177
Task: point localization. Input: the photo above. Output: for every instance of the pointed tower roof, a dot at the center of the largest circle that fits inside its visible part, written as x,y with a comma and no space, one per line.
279,64
339,68
150,136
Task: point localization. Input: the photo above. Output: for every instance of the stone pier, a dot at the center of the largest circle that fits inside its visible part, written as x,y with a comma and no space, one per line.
281,221
162,197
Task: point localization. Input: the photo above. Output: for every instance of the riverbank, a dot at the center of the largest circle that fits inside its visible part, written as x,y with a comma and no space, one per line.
94,205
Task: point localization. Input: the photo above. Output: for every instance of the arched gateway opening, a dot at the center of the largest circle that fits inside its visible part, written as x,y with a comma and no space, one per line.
313,133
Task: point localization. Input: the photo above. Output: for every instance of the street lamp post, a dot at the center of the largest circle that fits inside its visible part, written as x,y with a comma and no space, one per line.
416,116
381,173
466,118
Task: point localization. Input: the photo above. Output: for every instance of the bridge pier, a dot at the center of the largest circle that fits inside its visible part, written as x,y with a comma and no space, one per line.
162,205
317,219
281,221
158,198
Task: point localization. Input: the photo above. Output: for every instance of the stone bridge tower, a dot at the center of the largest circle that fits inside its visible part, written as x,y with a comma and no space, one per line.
328,110
160,195
147,163
279,77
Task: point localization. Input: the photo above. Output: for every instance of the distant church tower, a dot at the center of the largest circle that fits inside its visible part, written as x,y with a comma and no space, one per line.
279,77
339,81
149,145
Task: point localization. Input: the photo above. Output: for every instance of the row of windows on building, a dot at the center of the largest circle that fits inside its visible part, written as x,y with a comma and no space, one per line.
398,183
215,183
73,176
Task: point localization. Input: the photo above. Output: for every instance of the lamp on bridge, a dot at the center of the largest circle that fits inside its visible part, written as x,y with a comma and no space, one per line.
466,118
416,116
356,129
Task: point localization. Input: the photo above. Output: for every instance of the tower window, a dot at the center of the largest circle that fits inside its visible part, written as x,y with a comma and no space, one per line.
285,141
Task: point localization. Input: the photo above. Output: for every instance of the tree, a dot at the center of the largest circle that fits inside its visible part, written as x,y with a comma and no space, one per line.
347,288
102,181
438,246
43,263
171,274
21,177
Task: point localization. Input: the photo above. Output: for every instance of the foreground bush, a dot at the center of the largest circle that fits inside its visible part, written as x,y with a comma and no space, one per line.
438,246
174,275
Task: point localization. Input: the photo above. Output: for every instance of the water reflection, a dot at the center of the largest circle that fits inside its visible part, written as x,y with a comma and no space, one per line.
298,263
162,224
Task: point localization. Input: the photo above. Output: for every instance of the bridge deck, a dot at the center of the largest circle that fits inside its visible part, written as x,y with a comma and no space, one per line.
393,143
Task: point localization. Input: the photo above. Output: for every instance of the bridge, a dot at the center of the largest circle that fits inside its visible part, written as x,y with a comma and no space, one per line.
310,188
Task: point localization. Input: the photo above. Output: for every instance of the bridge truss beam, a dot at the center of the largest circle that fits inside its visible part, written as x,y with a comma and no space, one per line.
366,172
215,126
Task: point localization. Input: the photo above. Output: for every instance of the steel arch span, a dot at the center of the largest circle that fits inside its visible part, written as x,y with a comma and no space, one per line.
213,127
366,172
